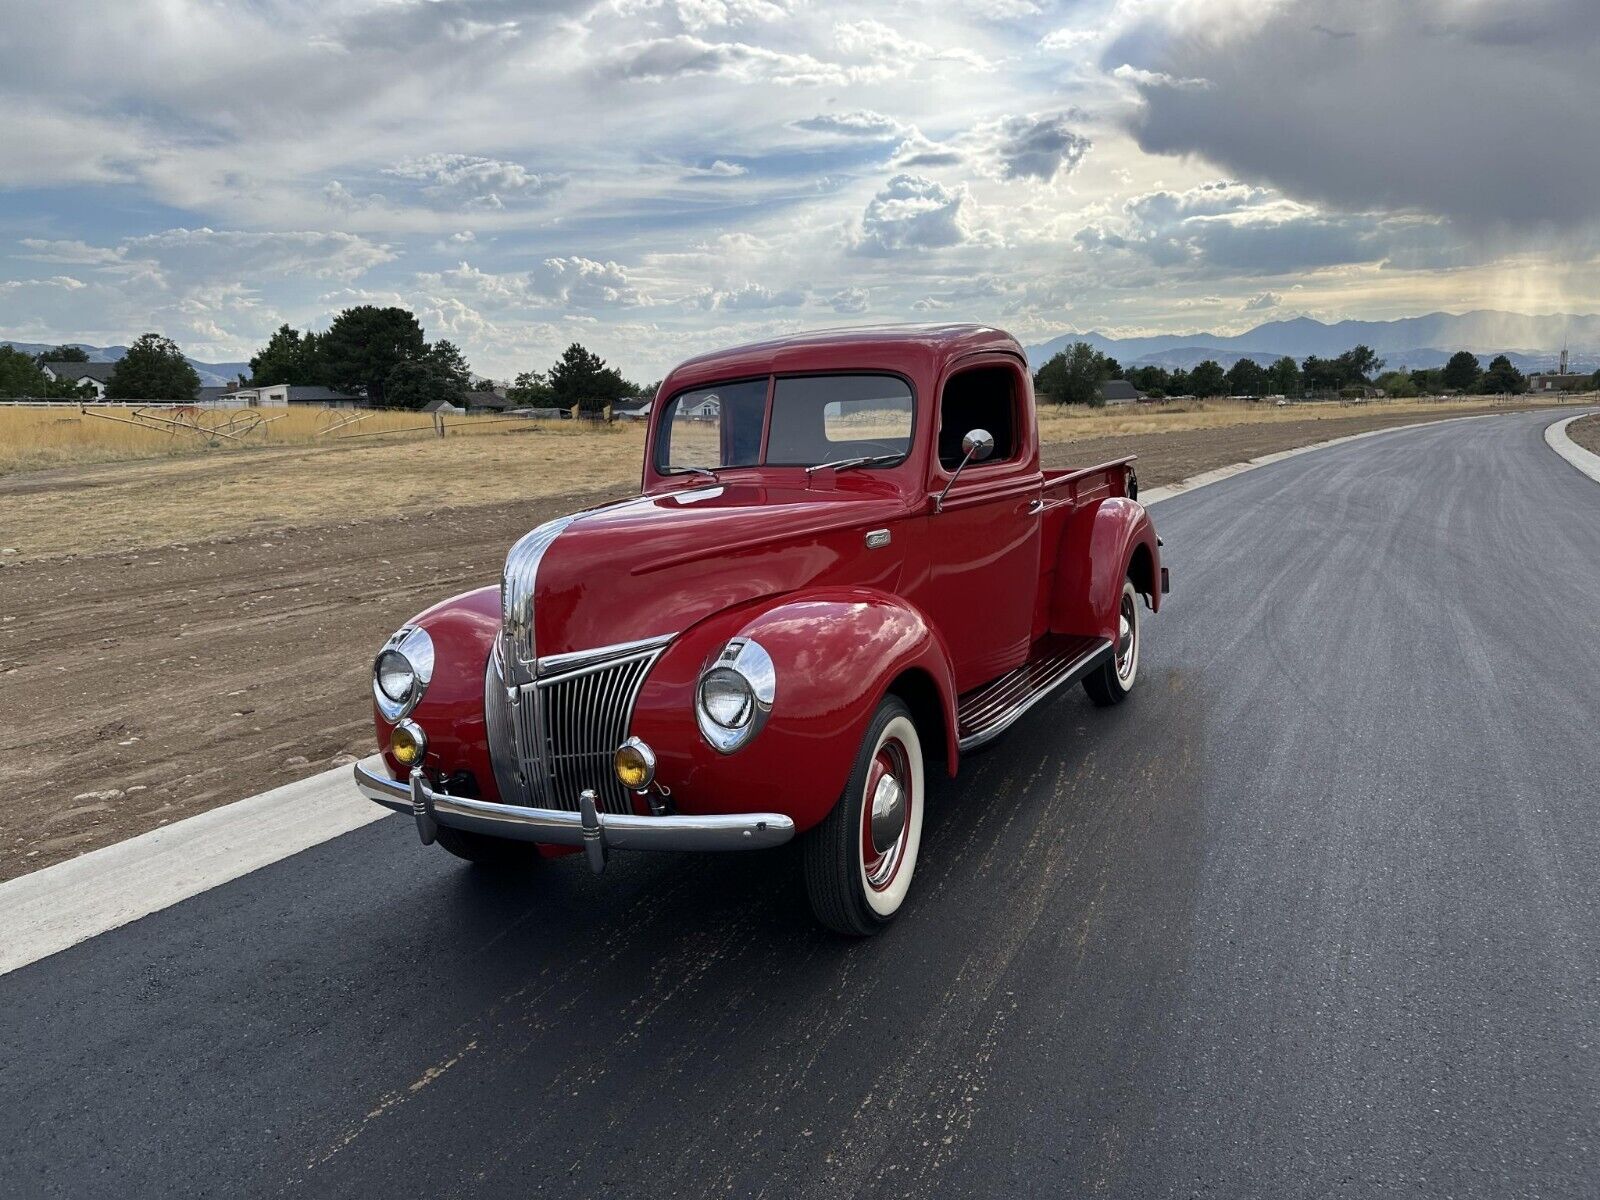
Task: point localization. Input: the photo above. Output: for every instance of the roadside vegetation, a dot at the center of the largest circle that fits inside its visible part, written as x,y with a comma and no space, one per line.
33,439
1076,376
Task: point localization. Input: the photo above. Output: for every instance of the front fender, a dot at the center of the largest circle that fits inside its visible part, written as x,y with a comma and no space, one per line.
836,653
1100,545
463,630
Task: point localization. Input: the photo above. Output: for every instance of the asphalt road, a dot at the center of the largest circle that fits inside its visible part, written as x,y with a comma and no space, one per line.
1316,913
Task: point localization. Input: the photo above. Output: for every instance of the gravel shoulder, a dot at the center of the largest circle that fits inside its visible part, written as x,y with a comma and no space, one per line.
145,686
1586,432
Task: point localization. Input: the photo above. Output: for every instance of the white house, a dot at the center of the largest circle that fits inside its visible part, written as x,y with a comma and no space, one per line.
92,373
279,394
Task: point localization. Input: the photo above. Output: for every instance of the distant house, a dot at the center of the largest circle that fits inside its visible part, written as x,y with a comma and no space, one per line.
1119,391
1555,381
92,373
642,413
441,406
708,409
480,402
273,395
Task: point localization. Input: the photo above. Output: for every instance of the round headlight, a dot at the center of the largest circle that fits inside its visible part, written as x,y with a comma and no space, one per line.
395,675
726,697
401,672
735,694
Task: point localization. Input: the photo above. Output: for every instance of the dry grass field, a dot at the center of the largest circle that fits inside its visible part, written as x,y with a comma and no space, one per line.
71,483
33,439
1586,432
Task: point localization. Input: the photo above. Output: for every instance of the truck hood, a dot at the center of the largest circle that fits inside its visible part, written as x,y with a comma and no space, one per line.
658,564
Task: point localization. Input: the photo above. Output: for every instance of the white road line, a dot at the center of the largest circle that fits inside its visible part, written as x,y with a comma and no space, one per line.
1585,460
70,902
60,906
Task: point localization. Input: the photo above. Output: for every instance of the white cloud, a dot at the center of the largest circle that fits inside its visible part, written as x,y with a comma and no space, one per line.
662,59
1066,40
849,301
472,181
1262,301
913,213
860,122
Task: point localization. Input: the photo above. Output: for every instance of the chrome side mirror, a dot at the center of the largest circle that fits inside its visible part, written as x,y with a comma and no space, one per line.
975,447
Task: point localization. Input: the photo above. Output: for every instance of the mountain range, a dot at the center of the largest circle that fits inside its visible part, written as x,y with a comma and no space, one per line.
1532,343
211,374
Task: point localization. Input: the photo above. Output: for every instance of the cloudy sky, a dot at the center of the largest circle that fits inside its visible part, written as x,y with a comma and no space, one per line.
657,177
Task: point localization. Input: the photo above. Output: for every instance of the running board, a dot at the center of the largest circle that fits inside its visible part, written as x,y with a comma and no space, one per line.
984,713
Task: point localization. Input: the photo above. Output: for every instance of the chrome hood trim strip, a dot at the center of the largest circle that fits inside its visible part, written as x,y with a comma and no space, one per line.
517,584
578,660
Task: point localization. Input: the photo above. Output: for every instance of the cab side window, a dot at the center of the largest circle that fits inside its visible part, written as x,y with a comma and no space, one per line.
982,398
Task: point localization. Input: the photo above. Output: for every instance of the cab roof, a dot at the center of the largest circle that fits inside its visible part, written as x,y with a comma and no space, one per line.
918,351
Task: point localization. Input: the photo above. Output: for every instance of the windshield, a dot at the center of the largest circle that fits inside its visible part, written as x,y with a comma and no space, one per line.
814,420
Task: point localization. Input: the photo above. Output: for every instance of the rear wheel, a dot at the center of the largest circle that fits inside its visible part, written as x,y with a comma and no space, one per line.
1111,683
860,860
487,851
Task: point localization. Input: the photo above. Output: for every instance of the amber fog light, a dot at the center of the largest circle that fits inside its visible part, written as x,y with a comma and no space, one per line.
408,744
635,763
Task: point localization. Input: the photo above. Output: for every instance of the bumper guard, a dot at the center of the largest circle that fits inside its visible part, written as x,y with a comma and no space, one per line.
597,832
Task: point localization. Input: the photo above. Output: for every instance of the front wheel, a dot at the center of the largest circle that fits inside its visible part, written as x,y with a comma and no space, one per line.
1111,683
859,861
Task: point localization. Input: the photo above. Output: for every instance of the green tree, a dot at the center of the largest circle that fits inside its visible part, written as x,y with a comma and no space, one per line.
446,356
1397,385
1321,376
21,377
1428,382
153,369
1246,378
1461,372
64,353
288,357
581,377
1074,376
1151,380
1358,364
1285,376
531,390
364,344
418,382
1208,379
1502,378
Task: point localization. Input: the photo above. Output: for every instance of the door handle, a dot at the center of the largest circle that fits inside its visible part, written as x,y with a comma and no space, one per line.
1035,506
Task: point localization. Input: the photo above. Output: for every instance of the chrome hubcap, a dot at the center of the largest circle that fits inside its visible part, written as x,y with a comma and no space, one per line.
885,816
1127,634
888,814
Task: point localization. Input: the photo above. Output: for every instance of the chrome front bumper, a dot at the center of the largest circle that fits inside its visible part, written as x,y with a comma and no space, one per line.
597,832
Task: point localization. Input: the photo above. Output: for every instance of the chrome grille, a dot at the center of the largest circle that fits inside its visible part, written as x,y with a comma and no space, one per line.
552,738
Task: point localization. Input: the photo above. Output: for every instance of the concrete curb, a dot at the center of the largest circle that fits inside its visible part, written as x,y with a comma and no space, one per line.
73,901
60,906
1585,460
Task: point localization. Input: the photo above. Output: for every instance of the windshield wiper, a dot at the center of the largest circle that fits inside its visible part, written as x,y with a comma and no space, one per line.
689,469
844,464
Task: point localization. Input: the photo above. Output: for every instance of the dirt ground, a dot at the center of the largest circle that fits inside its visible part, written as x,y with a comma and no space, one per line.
143,686
1586,432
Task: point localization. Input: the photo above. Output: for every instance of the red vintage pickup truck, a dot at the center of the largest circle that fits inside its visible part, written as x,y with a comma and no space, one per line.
845,568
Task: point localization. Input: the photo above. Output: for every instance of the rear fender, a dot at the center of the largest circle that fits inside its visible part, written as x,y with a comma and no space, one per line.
1101,545
836,652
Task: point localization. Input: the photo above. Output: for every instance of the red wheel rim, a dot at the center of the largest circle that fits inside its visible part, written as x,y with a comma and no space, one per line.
886,815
